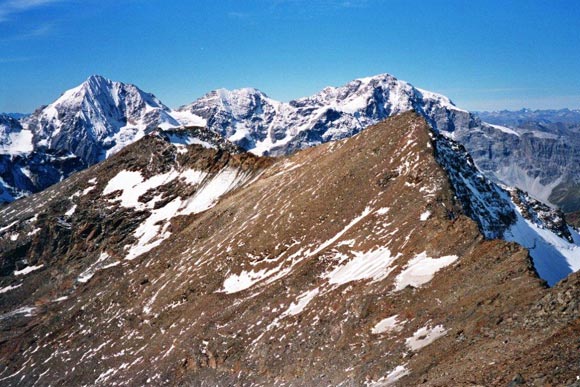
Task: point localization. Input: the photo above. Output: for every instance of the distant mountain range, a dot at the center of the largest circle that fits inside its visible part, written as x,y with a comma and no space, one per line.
15,115
98,118
517,118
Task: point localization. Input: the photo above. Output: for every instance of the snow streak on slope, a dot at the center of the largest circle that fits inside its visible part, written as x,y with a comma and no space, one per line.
421,269
155,228
425,336
375,265
388,324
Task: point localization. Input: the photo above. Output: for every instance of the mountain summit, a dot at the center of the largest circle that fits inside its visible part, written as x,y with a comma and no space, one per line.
82,127
542,163
98,118
265,126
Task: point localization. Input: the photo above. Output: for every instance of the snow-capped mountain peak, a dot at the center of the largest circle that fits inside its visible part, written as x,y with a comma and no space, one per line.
99,117
263,125
85,125
244,115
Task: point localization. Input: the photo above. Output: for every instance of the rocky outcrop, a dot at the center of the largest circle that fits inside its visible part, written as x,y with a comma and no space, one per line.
541,214
545,165
482,200
8,126
544,158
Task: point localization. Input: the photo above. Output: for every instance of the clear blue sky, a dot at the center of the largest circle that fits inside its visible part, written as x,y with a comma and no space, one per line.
487,54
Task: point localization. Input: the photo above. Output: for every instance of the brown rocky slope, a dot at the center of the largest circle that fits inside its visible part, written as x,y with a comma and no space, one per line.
344,264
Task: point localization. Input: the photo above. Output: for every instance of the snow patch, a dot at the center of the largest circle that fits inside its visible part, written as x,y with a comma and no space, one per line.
425,336
554,258
133,186
505,129
389,324
375,265
9,288
421,269
99,264
245,280
207,196
19,142
391,378
26,311
28,269
155,229
186,118
425,215
71,211
2,229
177,139
329,242
383,211
302,301
33,232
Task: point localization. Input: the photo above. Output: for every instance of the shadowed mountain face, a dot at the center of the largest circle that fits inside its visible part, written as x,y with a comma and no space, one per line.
348,263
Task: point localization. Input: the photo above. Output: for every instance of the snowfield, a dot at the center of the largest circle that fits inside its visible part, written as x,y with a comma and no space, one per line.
554,257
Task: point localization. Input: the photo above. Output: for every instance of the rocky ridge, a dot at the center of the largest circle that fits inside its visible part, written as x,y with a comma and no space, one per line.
350,263
511,214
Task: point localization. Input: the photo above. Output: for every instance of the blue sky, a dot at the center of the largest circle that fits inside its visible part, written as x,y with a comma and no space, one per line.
482,54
